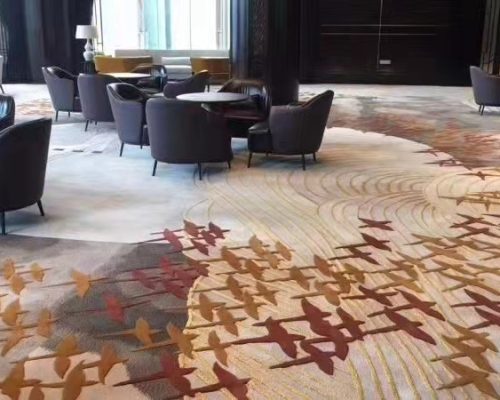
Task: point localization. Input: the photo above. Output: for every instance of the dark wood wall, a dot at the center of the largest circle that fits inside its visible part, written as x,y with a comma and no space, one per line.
390,41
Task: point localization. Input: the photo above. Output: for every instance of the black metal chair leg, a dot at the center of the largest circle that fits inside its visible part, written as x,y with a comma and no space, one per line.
482,110
95,123
57,116
2,219
69,114
314,157
121,148
40,207
229,164
87,125
154,167
303,162
199,172
250,155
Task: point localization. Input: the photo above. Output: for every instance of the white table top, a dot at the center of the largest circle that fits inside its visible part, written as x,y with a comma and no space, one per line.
213,97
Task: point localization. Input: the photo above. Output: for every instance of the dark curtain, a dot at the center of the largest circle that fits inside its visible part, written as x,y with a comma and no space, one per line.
35,33
490,60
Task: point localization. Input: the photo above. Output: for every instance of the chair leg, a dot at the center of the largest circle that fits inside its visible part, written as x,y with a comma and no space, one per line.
482,110
121,148
57,116
314,157
154,168
250,155
87,125
2,219
200,176
229,164
1,88
40,207
69,114
95,123
303,162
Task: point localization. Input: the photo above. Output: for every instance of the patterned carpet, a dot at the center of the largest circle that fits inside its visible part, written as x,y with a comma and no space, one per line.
373,275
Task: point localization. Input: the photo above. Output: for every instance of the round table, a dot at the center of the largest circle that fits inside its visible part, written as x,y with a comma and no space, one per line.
213,97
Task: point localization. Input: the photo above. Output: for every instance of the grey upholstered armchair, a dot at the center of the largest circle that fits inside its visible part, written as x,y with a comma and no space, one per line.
24,149
293,129
63,90
156,82
94,97
242,115
197,83
486,88
128,106
185,133
7,111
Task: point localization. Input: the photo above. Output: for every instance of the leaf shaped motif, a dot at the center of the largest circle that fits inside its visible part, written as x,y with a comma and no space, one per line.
9,269
61,366
82,282
283,251
17,284
37,272
36,393
11,313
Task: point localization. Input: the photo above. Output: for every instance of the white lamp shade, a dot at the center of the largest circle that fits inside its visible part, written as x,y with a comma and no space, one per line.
86,32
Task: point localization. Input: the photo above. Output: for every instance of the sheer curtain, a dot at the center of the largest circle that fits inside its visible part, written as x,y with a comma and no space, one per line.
163,24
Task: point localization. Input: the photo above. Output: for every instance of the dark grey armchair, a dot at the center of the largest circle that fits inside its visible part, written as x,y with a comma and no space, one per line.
128,106
293,129
94,97
24,149
486,88
185,133
197,83
243,115
63,90
156,82
7,111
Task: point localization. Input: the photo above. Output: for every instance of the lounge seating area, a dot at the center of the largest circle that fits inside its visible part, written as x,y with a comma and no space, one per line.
104,98
249,200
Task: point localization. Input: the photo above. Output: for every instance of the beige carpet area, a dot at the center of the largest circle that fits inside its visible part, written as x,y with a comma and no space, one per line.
372,275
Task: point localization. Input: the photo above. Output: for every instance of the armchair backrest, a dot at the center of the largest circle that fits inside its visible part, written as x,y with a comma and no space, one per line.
486,87
94,97
182,132
300,129
197,83
7,111
257,90
24,149
62,87
127,104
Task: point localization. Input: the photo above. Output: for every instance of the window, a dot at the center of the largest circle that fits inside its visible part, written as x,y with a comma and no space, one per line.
162,24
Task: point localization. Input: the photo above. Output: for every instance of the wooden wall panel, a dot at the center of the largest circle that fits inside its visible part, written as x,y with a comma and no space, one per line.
390,41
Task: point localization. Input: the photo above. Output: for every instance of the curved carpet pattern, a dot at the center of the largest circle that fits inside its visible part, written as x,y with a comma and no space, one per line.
372,275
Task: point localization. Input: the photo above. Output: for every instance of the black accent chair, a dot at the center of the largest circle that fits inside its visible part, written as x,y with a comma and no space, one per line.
24,149
63,90
293,129
196,84
128,106
94,97
156,82
185,133
242,115
7,111
486,88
